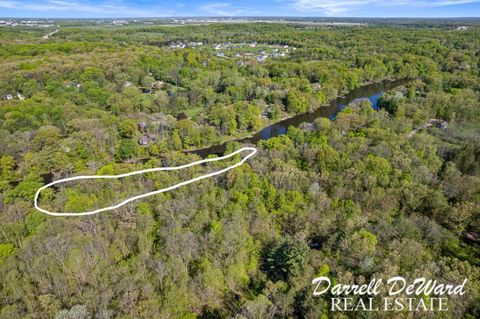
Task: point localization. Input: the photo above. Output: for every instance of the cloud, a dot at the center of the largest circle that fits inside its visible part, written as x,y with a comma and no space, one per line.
334,7
216,9
329,7
223,9
98,8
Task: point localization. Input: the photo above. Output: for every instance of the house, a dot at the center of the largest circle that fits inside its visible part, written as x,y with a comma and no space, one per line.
28,23
179,45
182,116
316,86
69,84
158,85
143,140
120,22
442,125
20,96
9,96
262,57
307,127
153,137
141,126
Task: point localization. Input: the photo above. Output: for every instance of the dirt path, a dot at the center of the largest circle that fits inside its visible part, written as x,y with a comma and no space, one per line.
50,34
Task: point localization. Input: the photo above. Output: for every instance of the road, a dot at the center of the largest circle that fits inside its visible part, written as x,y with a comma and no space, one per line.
50,34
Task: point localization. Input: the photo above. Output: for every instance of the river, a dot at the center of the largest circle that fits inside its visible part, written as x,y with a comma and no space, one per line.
370,91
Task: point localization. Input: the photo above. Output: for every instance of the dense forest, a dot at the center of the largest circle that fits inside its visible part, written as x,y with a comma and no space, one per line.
370,194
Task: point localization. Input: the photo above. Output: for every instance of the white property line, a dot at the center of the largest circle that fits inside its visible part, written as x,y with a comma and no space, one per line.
156,169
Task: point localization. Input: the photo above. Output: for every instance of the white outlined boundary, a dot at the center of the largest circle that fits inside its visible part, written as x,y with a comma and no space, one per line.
156,169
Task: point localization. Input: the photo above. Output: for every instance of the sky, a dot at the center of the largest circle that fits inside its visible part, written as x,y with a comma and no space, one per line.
299,8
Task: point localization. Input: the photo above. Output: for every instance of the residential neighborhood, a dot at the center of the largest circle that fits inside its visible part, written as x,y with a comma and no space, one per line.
246,51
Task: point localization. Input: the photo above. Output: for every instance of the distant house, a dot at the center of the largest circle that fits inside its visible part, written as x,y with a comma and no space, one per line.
442,125
316,86
307,126
120,22
437,123
143,140
20,96
141,126
182,116
262,58
9,96
158,85
69,84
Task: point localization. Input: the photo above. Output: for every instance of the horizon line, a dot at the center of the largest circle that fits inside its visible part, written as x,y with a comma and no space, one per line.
241,17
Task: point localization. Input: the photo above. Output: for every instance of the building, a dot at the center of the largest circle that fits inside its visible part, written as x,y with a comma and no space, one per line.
262,57
30,23
69,84
316,86
120,22
141,126
143,140
158,85
442,125
153,137
182,116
